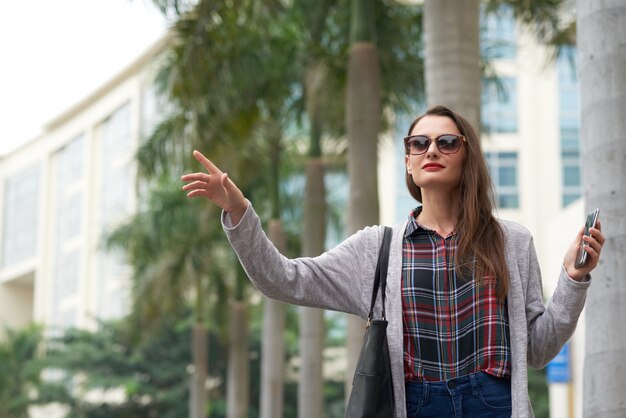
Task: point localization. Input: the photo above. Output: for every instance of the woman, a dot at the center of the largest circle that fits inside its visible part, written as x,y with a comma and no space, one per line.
464,293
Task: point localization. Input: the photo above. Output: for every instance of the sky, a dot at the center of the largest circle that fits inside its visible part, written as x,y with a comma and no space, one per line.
55,53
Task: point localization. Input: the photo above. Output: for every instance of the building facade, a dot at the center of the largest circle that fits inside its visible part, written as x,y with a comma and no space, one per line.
61,193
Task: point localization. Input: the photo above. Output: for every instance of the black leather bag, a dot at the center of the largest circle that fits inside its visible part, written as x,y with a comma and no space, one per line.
372,388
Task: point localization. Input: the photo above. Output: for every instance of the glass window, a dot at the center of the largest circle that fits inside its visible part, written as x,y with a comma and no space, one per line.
571,176
115,170
570,198
69,175
116,134
117,183
499,106
21,205
507,176
68,318
66,275
154,109
149,110
569,122
498,34
503,169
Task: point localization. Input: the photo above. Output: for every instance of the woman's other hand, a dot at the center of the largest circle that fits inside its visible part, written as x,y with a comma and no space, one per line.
596,241
217,187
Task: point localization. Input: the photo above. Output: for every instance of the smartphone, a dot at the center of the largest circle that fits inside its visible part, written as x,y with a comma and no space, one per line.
581,257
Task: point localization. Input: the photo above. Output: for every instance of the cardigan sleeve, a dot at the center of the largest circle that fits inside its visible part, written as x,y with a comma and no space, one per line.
549,328
335,280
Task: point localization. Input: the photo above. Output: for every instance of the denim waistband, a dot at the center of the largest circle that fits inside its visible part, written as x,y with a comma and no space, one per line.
464,384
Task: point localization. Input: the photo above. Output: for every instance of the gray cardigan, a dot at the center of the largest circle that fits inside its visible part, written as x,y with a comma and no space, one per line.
341,280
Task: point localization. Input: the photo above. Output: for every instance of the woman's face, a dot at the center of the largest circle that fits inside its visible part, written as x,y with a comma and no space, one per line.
433,169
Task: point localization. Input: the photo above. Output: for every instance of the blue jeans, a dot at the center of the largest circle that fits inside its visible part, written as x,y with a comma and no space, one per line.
475,395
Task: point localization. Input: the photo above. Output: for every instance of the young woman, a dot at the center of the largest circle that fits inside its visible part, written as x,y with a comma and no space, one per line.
464,293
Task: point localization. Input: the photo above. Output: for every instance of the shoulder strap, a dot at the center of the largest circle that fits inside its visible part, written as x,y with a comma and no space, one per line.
380,280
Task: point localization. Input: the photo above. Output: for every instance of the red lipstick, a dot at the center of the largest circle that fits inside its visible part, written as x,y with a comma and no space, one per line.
432,167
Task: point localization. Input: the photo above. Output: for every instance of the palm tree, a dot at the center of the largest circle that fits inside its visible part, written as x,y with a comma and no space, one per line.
176,260
273,348
451,35
316,91
384,72
363,114
601,40
214,93
452,65
231,75
238,373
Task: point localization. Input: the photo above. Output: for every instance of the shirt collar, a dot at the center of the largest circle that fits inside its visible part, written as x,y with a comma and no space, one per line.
412,225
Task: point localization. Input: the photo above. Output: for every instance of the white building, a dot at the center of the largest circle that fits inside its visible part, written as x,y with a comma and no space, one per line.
62,190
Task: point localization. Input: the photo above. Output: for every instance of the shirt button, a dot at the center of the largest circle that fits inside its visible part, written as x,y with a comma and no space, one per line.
451,384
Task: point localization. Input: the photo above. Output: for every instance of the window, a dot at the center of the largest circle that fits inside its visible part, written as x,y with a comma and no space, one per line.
499,106
117,184
498,35
66,276
154,109
503,168
21,205
569,122
67,218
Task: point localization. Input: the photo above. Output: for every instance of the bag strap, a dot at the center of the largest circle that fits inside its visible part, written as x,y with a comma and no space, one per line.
380,280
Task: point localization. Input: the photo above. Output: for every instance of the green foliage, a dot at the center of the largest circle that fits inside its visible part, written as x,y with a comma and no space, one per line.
147,375
19,370
150,374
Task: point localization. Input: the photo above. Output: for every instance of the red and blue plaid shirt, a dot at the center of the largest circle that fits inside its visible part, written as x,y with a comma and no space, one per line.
452,325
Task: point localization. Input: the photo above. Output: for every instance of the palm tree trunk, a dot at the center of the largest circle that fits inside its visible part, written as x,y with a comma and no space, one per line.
601,40
273,344
310,399
452,56
363,115
237,393
198,398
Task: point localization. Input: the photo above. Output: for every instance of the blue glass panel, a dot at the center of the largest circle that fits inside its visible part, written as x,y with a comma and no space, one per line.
570,198
499,106
569,120
508,176
498,35
571,176
508,201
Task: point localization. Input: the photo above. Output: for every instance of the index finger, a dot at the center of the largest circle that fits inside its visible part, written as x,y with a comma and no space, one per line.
211,168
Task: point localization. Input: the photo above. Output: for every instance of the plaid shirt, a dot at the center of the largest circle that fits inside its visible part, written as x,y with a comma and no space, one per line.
452,326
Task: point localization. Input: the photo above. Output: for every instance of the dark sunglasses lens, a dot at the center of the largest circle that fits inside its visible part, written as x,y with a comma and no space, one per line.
448,143
418,144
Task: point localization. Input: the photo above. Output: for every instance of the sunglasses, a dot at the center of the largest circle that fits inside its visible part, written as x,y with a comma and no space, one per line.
446,143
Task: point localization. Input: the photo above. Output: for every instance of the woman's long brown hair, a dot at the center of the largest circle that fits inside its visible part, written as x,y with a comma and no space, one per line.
481,237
